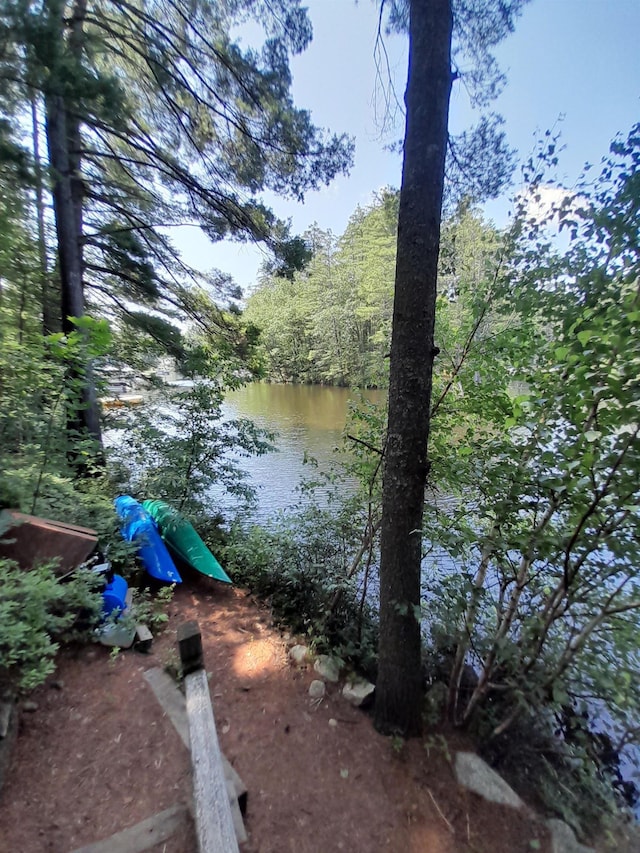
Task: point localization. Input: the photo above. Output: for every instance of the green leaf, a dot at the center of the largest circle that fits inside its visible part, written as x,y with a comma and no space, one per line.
585,336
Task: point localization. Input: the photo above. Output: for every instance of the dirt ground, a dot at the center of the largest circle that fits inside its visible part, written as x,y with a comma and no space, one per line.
97,755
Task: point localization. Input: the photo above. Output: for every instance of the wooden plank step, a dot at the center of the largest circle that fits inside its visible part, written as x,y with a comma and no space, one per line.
143,640
211,791
174,705
236,812
171,699
144,835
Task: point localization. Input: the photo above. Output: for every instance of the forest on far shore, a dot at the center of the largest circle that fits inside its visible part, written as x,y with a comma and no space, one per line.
331,322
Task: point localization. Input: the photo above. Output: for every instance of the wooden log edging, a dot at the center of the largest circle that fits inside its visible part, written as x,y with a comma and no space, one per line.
213,818
144,835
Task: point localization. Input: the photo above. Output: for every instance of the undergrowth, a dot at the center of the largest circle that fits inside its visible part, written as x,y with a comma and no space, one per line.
567,778
37,612
301,572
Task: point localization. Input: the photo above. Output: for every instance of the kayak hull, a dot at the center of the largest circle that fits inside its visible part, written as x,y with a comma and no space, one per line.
138,527
183,540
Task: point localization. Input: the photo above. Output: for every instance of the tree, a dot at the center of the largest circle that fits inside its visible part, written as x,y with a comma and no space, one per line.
431,35
412,355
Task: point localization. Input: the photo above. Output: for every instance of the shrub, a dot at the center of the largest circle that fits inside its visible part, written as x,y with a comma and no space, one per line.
36,612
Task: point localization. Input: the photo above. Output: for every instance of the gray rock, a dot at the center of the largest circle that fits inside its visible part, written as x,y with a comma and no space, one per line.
475,774
327,667
30,706
358,692
117,634
317,689
299,654
563,839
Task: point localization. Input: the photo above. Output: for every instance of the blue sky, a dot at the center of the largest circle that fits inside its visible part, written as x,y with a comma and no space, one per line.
575,59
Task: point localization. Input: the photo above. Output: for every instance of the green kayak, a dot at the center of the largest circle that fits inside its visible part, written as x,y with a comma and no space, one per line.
182,539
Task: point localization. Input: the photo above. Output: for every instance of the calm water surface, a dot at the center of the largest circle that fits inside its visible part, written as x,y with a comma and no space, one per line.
309,421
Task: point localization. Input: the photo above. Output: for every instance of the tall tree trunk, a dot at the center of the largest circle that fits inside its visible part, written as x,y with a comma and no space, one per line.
63,141
398,690
50,320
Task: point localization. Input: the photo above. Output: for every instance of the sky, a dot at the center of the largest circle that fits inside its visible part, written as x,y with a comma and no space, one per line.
571,65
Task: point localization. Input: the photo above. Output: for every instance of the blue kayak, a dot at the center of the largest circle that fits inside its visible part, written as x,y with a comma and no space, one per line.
138,527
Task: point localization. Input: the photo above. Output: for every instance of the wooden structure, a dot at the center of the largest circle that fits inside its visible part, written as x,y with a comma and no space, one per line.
147,834
31,541
174,705
212,809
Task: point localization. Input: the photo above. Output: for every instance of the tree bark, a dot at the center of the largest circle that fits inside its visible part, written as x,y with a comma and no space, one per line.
63,142
50,322
398,689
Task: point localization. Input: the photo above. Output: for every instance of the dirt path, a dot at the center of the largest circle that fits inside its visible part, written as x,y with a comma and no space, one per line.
98,755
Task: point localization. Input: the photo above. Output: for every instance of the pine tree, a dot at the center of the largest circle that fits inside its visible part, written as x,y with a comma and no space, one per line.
155,117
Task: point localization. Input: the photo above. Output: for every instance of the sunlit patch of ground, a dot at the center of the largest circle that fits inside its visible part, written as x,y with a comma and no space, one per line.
254,658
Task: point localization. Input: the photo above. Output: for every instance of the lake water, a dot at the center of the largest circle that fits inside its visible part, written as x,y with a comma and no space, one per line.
308,421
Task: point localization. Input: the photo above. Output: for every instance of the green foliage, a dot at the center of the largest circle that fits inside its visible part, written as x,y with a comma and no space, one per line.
149,608
148,125
178,447
532,757
36,612
531,515
479,163
531,576
178,122
332,322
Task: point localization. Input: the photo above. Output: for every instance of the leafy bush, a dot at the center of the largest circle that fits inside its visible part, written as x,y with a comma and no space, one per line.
178,447
36,612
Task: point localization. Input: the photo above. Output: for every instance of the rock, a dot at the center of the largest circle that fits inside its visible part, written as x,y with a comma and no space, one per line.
117,634
333,723
30,706
317,689
563,839
358,692
327,667
475,774
143,639
299,654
